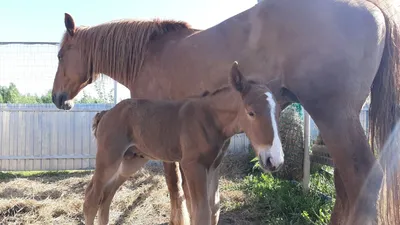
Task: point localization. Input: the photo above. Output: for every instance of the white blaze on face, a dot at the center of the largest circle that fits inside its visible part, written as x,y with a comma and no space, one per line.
275,152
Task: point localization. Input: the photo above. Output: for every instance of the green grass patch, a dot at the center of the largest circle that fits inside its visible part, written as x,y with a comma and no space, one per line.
284,202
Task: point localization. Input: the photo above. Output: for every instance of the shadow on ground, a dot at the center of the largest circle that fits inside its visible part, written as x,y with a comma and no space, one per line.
45,176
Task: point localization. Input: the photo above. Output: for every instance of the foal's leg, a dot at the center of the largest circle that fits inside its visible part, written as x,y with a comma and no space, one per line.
108,160
179,214
213,189
359,172
196,177
94,194
213,195
126,169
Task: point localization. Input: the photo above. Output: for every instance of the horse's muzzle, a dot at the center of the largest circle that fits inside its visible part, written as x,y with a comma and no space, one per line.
269,161
61,102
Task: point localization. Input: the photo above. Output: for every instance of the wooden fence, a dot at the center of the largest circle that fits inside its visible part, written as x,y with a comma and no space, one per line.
41,137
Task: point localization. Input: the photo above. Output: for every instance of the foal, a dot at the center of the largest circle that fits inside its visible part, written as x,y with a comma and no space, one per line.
193,132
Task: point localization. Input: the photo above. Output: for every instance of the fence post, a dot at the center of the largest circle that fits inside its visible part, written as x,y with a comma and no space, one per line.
306,162
115,92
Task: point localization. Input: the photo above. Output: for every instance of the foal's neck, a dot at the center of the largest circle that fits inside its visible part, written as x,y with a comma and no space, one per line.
226,106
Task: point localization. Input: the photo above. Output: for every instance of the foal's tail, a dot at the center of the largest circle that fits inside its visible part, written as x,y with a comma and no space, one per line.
384,113
96,121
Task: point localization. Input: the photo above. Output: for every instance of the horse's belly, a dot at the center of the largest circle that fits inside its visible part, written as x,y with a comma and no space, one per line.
162,154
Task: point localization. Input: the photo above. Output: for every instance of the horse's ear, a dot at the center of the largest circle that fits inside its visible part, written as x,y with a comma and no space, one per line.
69,24
238,81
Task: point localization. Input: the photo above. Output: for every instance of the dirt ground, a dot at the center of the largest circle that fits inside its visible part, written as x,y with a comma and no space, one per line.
143,199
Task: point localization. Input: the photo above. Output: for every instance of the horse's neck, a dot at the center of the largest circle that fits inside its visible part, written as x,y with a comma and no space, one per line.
209,54
219,45
225,106
113,76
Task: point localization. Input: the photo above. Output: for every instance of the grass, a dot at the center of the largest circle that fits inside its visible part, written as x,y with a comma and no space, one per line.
247,197
285,201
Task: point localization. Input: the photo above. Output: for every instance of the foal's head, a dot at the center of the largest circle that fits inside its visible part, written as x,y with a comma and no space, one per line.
258,118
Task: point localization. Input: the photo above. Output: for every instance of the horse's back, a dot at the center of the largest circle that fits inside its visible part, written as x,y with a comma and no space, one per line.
330,47
324,26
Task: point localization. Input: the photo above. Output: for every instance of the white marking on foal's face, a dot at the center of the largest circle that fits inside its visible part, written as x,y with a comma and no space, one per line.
275,152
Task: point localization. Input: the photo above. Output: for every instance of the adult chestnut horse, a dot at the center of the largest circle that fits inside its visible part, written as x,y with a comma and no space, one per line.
327,54
193,132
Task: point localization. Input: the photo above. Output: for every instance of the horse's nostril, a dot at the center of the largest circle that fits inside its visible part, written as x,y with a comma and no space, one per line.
62,98
269,163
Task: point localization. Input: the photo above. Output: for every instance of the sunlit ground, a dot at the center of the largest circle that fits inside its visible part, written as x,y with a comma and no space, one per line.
247,197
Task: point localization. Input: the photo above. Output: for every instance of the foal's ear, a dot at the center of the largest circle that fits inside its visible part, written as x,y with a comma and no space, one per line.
238,81
69,24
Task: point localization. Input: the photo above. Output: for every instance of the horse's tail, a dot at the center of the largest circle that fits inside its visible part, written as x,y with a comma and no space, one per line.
384,112
96,121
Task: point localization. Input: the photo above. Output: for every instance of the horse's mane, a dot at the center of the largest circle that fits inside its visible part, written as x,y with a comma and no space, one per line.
119,47
96,121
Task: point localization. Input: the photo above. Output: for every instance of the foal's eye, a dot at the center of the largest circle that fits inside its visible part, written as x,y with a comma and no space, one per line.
251,114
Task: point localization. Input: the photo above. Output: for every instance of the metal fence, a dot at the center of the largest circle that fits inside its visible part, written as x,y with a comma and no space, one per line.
31,66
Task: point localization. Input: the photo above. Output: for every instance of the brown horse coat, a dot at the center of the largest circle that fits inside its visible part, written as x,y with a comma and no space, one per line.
327,54
193,132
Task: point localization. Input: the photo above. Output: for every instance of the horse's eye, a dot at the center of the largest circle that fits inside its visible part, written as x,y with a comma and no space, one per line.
251,114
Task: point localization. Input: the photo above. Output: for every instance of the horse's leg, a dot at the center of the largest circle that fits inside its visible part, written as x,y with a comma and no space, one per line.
186,192
346,141
341,208
94,194
173,177
213,188
127,168
91,205
196,178
213,195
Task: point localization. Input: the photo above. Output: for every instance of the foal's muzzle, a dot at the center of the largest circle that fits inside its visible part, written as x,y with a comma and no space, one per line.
61,102
271,159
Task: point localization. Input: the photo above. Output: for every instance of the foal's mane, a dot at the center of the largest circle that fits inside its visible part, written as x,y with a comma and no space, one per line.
224,88
119,47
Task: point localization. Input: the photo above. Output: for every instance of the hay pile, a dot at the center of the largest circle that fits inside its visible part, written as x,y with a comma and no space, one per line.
57,198
292,138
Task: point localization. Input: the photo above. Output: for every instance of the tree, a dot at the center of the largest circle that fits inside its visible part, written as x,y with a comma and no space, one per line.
46,98
87,99
11,95
99,85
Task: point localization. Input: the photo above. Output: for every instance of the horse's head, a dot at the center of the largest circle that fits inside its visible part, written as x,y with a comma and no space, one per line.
73,72
258,118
